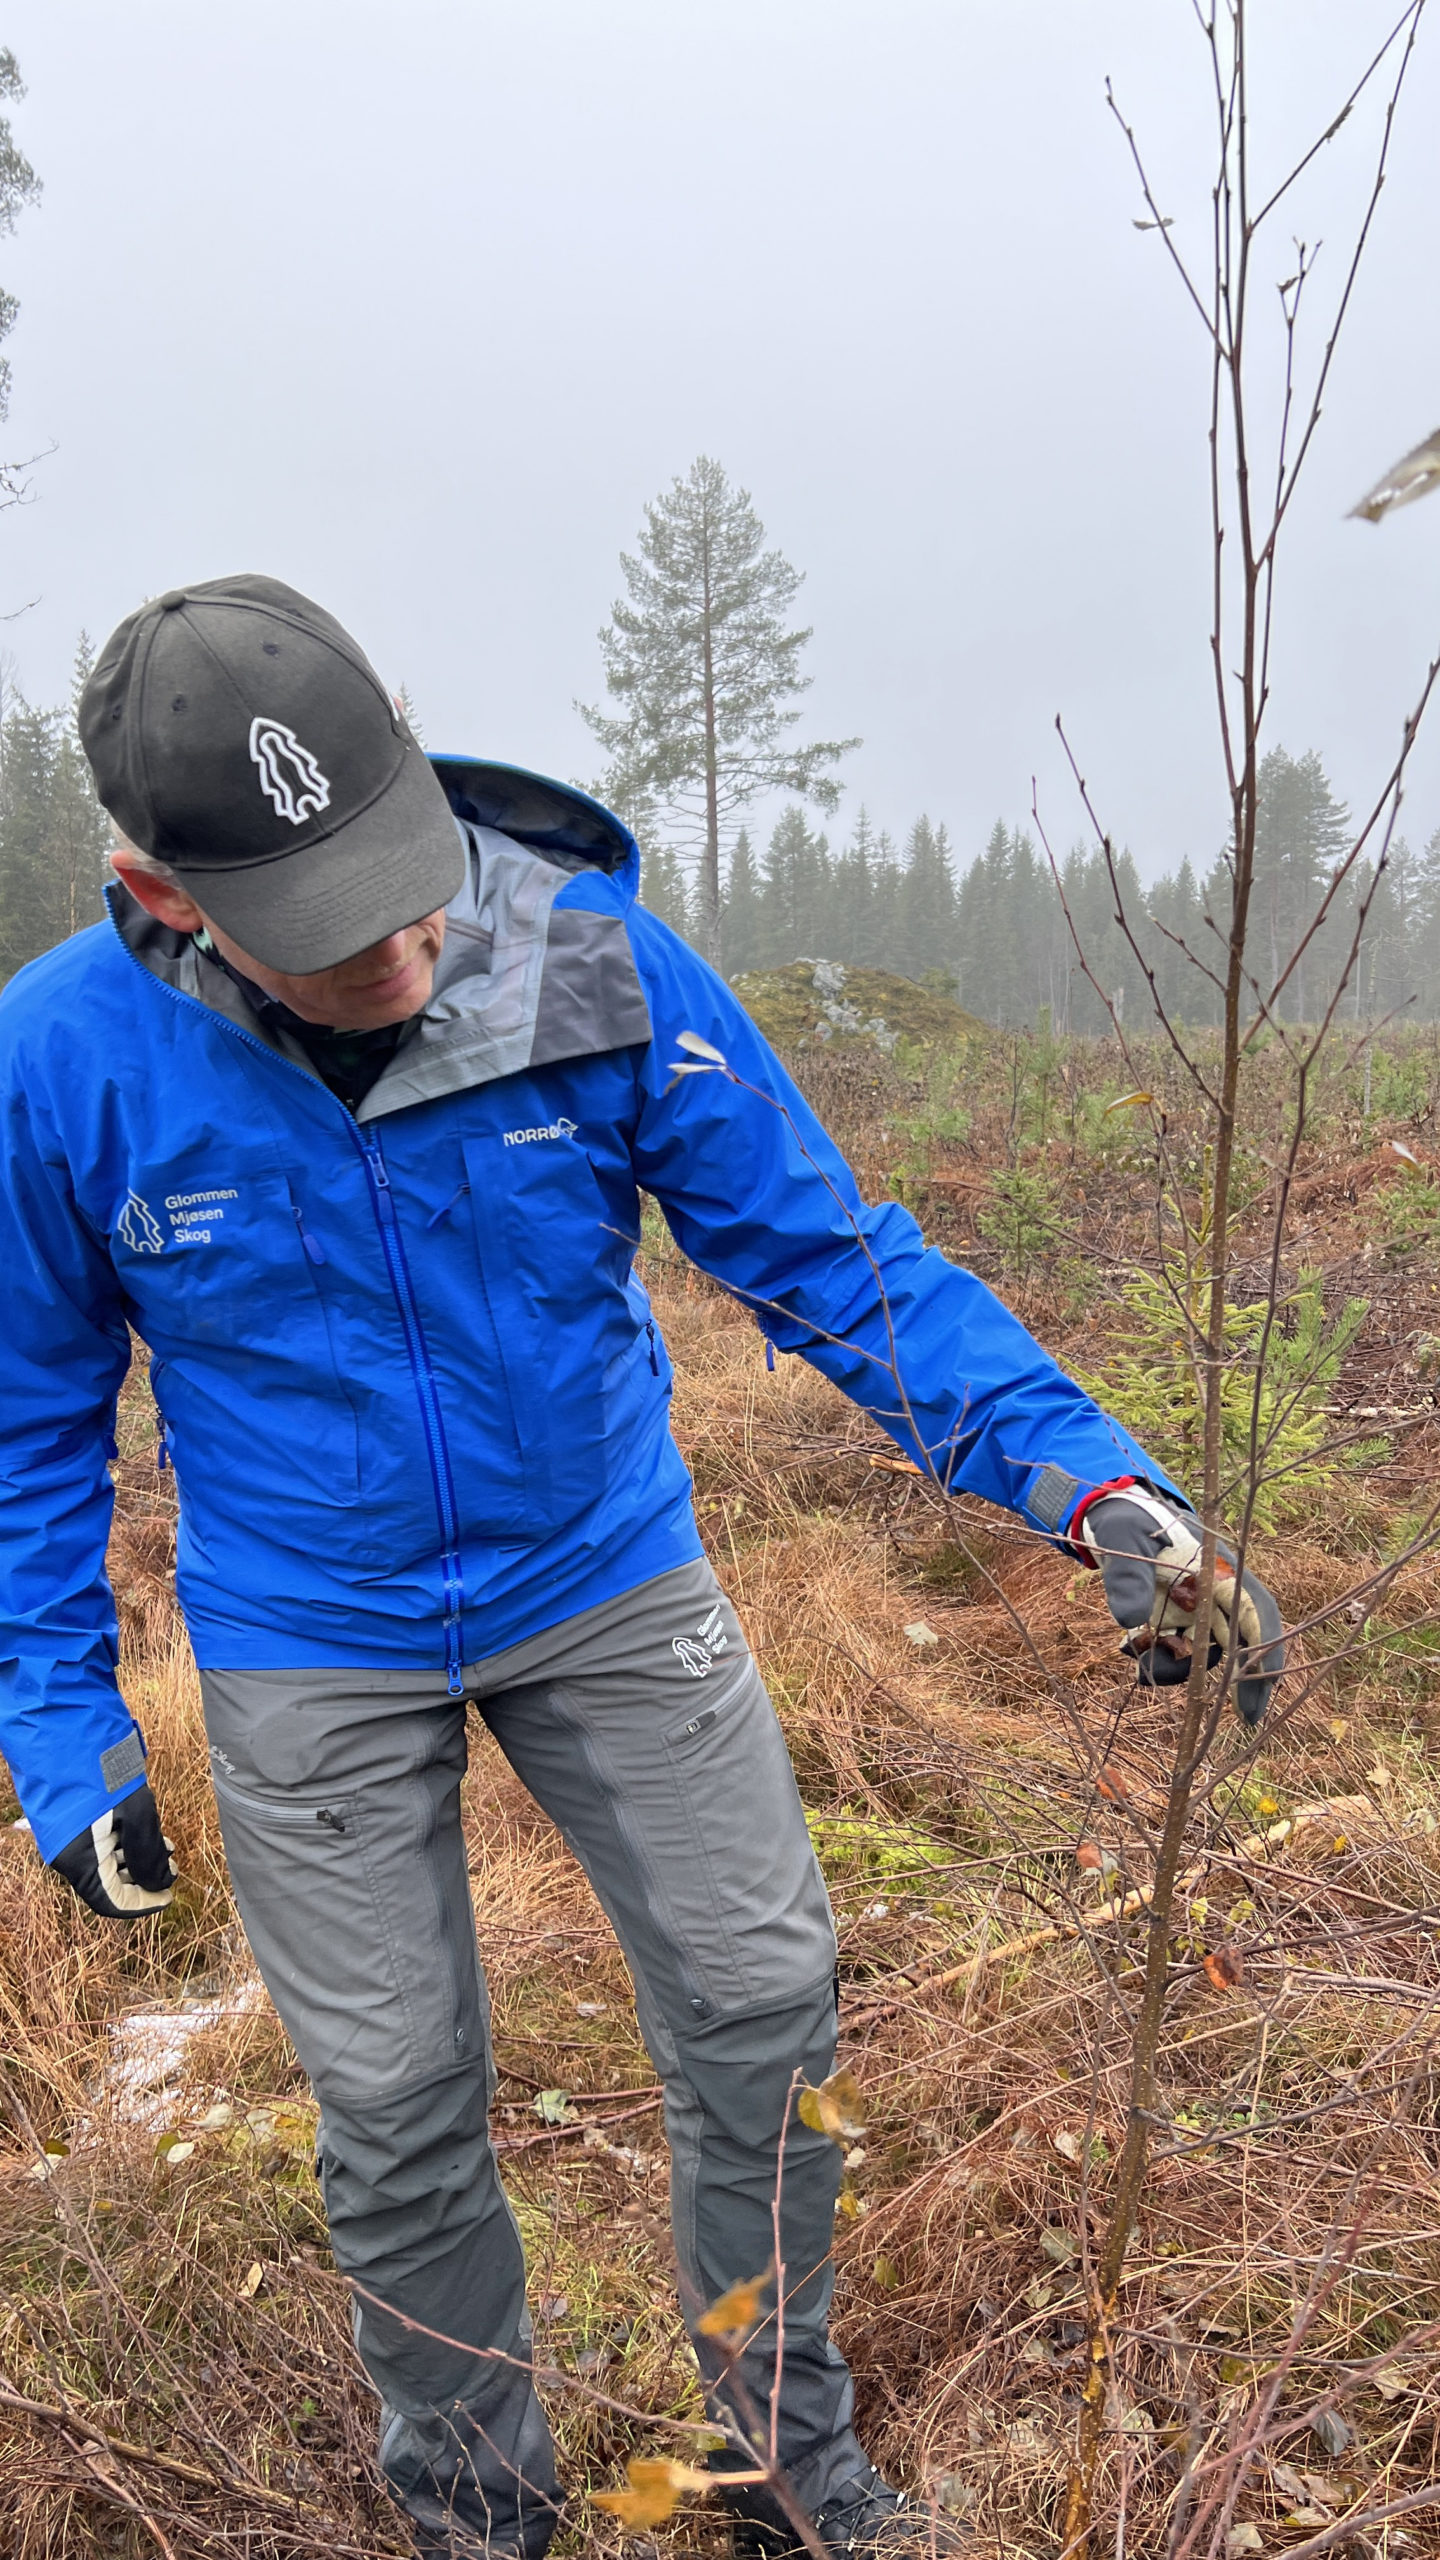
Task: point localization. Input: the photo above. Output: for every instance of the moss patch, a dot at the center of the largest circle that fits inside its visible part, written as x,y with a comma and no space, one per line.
790,1006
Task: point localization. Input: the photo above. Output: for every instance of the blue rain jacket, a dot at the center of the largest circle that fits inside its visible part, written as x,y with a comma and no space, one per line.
415,1400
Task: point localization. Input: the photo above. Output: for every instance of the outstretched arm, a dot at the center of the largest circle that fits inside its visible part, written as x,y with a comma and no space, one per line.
757,1194
73,1748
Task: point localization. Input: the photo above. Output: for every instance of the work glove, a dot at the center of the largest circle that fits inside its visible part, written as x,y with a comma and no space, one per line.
121,1866
1147,1550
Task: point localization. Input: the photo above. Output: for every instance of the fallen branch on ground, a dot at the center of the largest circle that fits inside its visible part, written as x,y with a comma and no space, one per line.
1105,1914
94,2435
581,2124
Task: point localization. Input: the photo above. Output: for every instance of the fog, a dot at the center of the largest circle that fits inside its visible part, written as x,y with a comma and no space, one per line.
415,306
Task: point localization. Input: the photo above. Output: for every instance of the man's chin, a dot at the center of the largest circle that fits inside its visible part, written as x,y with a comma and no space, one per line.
411,998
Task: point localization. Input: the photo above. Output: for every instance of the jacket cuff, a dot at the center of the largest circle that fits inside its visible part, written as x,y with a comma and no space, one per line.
1056,1496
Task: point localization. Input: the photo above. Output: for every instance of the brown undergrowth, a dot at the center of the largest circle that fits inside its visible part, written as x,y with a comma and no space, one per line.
176,2373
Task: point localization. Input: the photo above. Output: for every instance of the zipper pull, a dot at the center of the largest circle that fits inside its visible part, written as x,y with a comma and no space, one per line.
654,1357
439,1215
769,1353
314,1249
384,1204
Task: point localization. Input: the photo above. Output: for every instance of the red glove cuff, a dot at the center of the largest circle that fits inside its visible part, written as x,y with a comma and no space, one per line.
1118,1484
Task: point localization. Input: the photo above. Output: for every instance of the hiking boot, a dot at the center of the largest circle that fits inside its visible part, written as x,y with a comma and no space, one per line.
863,2517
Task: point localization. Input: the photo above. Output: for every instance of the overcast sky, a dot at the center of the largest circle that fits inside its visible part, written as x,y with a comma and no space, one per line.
415,306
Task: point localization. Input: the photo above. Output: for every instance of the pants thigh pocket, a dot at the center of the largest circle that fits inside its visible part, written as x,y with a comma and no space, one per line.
736,1864
343,1902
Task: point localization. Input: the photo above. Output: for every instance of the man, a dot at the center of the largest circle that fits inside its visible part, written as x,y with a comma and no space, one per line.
346,1111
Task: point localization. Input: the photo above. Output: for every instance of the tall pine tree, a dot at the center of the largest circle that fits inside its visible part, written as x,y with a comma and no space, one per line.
19,186
706,678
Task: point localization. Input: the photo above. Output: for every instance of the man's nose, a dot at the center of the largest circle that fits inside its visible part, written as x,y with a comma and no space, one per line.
390,953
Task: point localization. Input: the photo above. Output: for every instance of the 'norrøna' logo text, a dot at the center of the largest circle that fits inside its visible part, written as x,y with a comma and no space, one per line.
554,1129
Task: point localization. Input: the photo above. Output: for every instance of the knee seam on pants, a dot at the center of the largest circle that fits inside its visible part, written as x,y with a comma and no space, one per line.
756,2010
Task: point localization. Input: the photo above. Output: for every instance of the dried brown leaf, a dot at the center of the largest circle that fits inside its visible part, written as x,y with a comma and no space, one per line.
1225,1967
736,2310
836,2108
654,2492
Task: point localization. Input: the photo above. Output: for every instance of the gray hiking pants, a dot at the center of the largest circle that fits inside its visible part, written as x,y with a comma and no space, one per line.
643,1730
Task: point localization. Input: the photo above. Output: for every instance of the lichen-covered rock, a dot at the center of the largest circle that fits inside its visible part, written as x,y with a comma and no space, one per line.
823,1000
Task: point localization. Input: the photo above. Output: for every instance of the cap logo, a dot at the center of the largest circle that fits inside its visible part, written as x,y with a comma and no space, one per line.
289,774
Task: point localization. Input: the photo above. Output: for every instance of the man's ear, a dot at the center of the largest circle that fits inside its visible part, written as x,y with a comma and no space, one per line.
160,898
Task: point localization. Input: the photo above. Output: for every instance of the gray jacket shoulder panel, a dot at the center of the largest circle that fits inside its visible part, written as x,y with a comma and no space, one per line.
519,983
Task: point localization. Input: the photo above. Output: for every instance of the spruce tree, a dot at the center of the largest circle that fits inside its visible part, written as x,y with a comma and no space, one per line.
1425,929
706,678
743,923
663,889
925,906
982,930
852,898
1175,903
885,878
405,705
54,835
1393,972
1034,910
1301,833
795,901
24,811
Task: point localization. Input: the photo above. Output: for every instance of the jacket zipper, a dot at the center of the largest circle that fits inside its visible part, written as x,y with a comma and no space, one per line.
428,1397
426,1393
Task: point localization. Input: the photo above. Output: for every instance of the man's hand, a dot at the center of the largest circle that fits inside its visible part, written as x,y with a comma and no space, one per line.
121,1866
1148,1552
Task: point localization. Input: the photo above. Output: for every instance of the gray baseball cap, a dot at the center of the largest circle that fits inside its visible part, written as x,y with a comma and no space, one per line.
237,732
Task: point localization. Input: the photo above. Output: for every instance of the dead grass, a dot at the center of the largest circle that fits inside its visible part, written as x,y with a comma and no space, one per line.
200,2408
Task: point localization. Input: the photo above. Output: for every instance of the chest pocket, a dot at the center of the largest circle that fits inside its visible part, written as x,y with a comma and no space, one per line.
555,1255
227,1294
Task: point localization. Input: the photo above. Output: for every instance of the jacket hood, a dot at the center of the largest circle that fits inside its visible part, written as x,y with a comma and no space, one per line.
556,820
537,964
